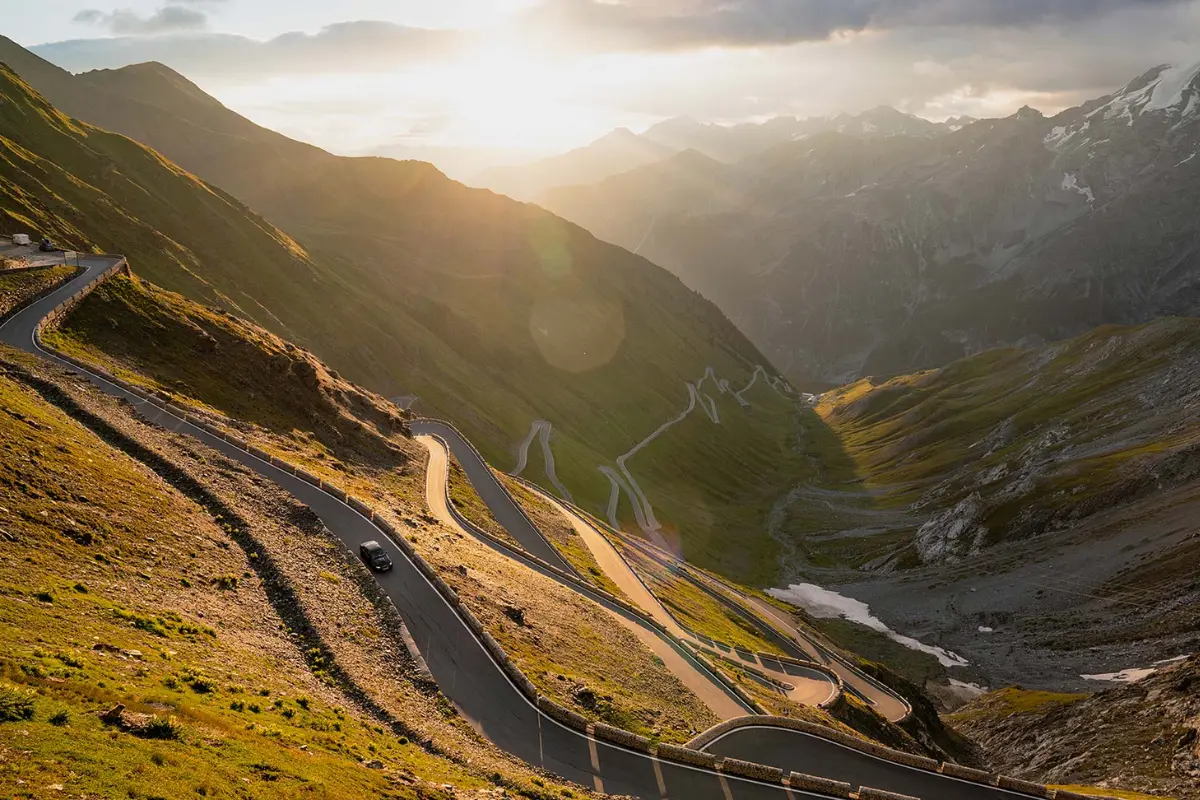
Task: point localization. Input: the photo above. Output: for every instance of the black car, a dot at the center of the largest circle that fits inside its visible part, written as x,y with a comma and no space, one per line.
375,556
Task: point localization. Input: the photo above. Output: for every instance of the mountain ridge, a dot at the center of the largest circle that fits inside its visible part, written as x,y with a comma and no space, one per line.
492,312
845,258
729,144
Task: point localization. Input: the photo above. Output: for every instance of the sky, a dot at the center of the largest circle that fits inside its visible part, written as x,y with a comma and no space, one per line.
508,80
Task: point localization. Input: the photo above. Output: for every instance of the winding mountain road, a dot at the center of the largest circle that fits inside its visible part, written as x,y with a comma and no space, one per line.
807,686
475,683
690,672
542,430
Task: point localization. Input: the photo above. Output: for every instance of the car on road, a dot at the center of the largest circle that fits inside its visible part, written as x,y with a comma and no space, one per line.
375,556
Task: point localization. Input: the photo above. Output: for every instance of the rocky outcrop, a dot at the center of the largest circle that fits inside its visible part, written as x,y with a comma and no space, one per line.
1140,736
953,532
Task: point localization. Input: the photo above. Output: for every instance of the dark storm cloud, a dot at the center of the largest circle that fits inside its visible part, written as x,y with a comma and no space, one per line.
681,24
364,46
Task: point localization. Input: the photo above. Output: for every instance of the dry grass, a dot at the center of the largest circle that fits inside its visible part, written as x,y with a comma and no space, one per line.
560,533
574,651
1006,702
1101,792
692,607
20,286
108,578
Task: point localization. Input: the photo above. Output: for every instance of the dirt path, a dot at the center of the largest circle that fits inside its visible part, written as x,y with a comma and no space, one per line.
810,691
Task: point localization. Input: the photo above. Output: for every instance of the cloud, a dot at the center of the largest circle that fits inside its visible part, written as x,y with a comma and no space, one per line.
935,72
364,46
687,24
124,22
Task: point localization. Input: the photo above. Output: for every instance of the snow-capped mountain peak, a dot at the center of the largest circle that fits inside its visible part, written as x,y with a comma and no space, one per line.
1166,88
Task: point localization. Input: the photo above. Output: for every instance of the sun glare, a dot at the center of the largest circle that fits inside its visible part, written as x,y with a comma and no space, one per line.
504,96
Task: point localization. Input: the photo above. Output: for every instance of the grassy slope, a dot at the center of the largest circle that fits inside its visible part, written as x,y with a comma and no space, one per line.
87,188
299,409
89,577
693,608
494,313
17,287
471,505
713,486
1085,406
558,532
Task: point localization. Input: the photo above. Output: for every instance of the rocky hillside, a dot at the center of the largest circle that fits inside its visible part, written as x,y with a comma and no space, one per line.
842,256
1138,737
488,312
1031,507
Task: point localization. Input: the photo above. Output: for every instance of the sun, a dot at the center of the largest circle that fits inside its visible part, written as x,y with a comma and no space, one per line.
503,95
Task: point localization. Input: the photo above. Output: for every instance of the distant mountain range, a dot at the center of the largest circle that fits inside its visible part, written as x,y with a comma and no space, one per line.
842,254
622,150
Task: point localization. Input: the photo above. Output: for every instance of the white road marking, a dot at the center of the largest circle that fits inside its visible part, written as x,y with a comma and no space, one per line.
597,781
658,776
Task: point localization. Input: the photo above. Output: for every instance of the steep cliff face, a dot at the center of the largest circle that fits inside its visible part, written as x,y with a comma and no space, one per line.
1140,736
841,255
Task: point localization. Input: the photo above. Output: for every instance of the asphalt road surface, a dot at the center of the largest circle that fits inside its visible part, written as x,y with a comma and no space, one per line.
493,494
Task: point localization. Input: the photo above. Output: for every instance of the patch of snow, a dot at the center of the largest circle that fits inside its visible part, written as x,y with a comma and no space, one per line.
1070,182
1168,90
825,604
868,127
1133,674
1193,104
1056,134
1189,158
986,629
1060,135
1124,676
973,688
1122,104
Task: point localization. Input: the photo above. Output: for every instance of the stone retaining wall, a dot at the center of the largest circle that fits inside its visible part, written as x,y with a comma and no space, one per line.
622,737
361,507
748,769
968,774
684,755
564,715
867,793
812,783
1025,787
